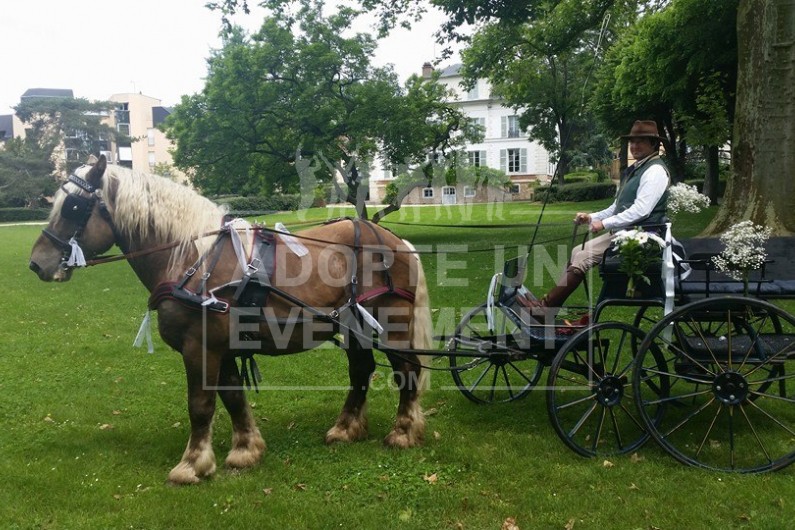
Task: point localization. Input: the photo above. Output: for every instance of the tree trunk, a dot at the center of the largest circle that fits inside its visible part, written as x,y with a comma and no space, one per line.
762,187
712,157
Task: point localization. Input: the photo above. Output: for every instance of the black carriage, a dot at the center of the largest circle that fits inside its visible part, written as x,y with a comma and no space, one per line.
708,379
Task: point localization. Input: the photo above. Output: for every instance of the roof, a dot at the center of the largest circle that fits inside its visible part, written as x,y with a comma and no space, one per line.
159,115
6,127
451,71
48,93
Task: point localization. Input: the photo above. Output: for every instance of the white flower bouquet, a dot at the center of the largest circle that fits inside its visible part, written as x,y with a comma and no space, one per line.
744,252
685,198
638,251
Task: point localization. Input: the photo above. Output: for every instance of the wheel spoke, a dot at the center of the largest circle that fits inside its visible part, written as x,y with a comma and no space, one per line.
589,397
772,418
507,381
520,372
616,429
678,397
582,420
709,429
756,435
689,417
619,349
480,377
599,426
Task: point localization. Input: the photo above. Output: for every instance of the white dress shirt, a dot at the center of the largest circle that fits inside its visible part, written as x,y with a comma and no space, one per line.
653,184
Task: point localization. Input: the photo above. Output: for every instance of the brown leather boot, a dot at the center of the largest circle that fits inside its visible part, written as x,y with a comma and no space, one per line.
567,284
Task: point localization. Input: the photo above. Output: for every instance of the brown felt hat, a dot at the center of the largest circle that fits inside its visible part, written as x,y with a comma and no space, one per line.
644,129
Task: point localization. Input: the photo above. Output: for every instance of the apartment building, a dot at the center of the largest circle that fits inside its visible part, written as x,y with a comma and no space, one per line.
135,115
505,146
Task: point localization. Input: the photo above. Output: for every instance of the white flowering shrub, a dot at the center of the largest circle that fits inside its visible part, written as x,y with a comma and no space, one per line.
745,250
685,198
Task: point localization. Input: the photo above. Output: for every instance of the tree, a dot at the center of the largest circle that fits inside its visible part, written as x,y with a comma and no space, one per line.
762,188
678,67
73,125
61,133
300,96
26,173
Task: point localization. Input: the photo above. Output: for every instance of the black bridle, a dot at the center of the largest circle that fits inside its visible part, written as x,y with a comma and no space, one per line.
78,207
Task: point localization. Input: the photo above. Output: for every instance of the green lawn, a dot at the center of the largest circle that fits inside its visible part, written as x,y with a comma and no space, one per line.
91,426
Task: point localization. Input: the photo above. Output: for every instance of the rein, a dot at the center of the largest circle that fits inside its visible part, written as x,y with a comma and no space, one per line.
99,260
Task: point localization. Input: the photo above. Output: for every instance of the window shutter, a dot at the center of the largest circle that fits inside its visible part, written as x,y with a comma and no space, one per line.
483,159
523,160
504,160
504,126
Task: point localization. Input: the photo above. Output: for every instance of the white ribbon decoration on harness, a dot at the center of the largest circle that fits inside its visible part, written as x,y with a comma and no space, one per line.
76,258
237,244
370,319
145,332
210,300
490,301
292,243
668,270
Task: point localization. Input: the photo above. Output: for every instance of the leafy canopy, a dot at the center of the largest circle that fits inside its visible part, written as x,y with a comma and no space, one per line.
300,98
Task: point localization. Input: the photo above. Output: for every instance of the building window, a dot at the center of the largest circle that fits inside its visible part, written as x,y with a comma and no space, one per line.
123,128
476,158
469,192
152,159
427,193
472,93
150,137
478,124
510,127
514,188
513,160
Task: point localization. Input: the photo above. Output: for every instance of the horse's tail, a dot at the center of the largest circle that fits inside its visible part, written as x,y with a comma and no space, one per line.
421,327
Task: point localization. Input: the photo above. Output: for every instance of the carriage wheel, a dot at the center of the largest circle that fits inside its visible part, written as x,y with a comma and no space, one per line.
589,393
729,380
491,366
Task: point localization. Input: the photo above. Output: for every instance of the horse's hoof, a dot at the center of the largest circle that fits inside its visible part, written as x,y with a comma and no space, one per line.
354,432
184,474
248,455
403,439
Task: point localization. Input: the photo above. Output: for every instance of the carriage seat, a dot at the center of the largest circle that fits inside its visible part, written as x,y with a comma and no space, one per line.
774,280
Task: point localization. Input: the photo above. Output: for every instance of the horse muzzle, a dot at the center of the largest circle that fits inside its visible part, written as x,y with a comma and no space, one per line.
60,274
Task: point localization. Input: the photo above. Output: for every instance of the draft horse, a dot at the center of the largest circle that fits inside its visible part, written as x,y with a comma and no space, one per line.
339,271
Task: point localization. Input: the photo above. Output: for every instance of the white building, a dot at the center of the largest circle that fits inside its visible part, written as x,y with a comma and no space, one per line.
504,147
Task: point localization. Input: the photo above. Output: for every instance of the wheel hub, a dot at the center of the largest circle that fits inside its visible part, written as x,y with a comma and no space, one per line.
609,391
731,388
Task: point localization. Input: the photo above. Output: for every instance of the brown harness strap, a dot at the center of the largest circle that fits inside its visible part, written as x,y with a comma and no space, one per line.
384,289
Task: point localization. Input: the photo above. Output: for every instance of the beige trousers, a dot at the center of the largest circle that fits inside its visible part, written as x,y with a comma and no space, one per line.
584,257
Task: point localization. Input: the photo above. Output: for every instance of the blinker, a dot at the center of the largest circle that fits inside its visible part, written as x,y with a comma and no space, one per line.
77,208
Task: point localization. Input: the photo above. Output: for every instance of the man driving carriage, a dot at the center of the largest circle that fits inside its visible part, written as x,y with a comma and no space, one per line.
640,201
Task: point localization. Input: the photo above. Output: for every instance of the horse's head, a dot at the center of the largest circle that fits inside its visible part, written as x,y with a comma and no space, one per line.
79,226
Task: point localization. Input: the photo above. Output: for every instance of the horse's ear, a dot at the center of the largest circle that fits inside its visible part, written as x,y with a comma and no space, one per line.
94,175
92,159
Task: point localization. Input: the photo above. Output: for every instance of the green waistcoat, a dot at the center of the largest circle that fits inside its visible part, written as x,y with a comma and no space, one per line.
628,190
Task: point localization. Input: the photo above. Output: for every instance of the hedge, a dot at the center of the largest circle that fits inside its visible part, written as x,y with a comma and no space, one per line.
19,215
262,204
586,191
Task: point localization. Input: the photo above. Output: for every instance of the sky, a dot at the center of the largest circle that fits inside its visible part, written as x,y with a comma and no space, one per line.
155,47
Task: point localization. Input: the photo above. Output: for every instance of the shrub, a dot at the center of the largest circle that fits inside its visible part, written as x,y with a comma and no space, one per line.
579,192
18,215
274,203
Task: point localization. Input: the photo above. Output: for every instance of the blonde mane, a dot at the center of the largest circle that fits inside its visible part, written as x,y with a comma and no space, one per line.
151,207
